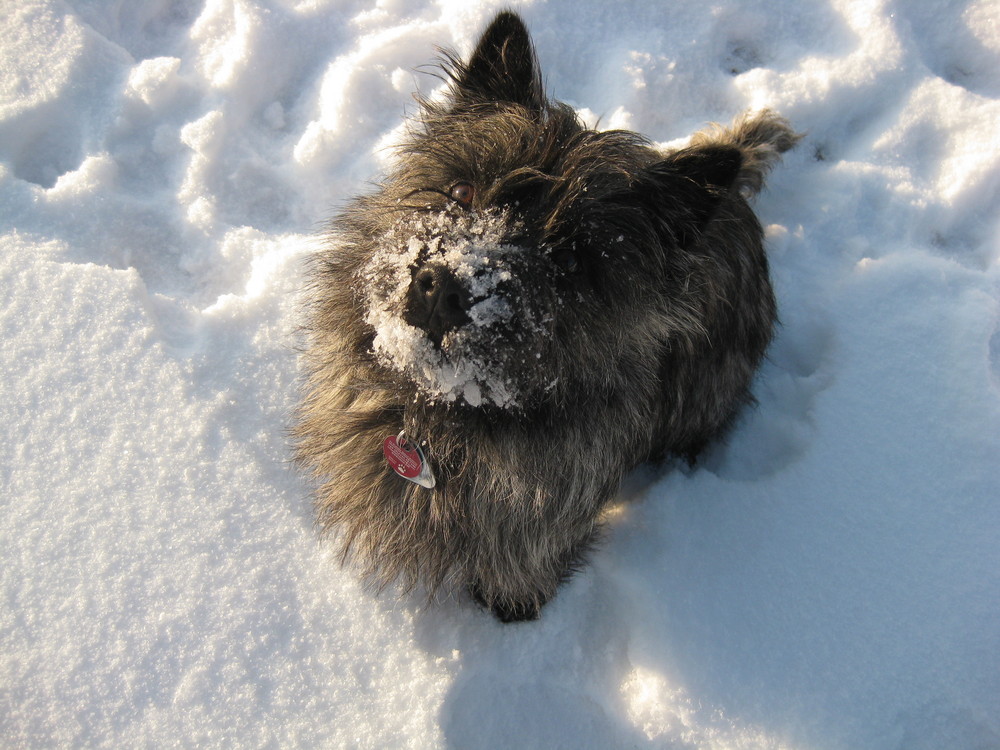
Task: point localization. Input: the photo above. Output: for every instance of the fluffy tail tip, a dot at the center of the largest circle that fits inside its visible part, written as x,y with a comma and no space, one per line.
762,137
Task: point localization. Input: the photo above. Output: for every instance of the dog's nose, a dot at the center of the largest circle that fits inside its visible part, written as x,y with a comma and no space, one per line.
436,302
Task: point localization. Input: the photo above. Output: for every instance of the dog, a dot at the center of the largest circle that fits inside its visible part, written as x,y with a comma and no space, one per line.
523,311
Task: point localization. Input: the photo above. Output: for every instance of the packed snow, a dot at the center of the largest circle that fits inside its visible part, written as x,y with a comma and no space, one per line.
829,579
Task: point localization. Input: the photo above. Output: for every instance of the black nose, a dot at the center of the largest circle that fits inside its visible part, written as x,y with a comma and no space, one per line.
436,301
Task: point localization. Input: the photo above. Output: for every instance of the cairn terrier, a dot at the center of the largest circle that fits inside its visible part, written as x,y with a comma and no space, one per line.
525,310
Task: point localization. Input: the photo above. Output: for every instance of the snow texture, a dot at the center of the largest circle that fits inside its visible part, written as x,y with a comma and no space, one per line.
828,579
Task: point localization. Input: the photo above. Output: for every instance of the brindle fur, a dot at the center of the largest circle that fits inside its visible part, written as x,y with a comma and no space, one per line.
650,338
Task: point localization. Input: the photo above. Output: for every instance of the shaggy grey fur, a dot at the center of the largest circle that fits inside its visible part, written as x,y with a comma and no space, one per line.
541,307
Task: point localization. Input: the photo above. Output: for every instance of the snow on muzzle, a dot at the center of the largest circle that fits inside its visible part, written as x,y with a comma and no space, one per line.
445,300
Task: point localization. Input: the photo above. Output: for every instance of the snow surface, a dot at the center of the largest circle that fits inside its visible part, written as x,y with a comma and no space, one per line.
828,579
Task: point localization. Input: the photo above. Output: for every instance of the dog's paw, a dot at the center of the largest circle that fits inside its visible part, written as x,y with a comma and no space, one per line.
504,610
515,612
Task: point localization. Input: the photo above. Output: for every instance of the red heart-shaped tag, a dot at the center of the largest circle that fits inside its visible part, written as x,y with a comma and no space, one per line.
407,460
402,457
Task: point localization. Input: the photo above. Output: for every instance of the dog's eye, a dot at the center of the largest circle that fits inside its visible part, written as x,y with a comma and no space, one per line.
463,193
566,260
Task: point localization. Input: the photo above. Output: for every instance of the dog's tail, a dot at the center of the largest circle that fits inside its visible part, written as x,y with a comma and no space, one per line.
762,137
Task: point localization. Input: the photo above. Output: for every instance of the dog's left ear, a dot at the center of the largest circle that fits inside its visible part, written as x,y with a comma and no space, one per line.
685,188
502,68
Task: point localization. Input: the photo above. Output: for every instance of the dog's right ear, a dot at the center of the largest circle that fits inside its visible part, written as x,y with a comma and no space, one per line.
503,67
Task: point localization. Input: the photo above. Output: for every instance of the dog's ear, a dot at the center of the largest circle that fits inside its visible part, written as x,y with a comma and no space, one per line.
685,188
502,68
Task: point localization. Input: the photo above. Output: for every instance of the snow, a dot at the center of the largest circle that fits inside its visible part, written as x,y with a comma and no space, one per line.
828,579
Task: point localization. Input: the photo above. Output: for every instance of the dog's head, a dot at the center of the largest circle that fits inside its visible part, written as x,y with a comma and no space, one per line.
515,256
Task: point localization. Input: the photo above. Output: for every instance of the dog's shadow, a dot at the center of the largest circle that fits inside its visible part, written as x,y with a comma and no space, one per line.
551,683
